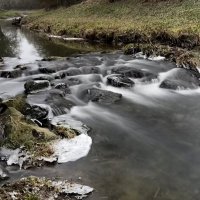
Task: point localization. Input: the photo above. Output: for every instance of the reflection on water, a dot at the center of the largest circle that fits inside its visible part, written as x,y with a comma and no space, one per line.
146,147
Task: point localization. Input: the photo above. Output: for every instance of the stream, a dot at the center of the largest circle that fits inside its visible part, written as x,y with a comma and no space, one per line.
144,147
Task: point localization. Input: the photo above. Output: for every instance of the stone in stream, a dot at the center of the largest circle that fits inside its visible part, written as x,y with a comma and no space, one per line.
130,72
47,70
21,67
42,188
63,87
3,173
119,81
32,86
180,78
37,112
102,96
11,74
90,70
17,21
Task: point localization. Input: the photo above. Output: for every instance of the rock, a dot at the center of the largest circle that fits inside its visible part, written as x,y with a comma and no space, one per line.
21,67
46,70
54,58
73,81
1,59
72,71
43,188
54,98
18,130
11,74
44,77
130,72
102,96
37,112
3,173
63,87
17,21
32,86
90,70
119,81
180,78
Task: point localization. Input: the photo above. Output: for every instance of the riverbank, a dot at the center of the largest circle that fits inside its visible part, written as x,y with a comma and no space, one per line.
4,14
172,23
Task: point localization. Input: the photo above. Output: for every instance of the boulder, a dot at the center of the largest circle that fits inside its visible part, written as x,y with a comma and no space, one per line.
119,81
17,21
3,173
47,70
130,72
37,112
180,78
11,74
102,96
63,87
32,86
90,70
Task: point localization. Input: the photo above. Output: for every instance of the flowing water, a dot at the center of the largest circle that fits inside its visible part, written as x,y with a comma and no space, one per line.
145,147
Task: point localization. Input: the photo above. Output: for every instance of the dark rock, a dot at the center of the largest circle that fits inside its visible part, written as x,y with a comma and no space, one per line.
119,81
3,173
130,72
102,96
180,78
54,98
63,87
73,81
31,86
21,67
3,108
17,21
46,70
11,74
73,71
90,70
1,59
37,112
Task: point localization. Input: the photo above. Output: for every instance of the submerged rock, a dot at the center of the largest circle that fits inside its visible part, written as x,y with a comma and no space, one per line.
63,87
180,78
43,188
32,86
102,96
119,81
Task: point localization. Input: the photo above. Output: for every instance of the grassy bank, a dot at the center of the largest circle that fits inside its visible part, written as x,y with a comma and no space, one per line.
4,14
123,21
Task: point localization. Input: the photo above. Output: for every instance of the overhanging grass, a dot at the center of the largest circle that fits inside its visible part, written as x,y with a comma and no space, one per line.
6,14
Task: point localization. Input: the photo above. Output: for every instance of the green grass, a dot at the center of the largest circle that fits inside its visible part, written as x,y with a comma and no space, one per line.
121,17
6,14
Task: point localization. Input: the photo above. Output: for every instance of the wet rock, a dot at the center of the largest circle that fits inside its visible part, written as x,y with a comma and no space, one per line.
63,87
43,188
32,86
18,130
54,58
54,98
119,81
11,74
180,78
73,81
1,59
17,21
72,71
46,70
37,112
102,96
3,173
44,77
130,72
90,70
21,67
